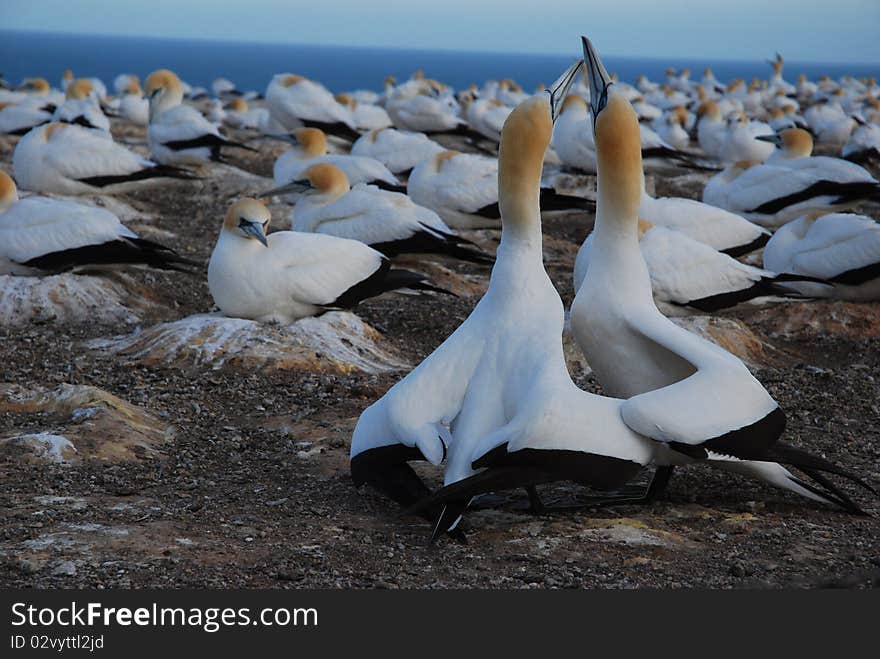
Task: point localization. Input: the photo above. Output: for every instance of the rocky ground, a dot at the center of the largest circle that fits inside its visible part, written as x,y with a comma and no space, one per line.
121,469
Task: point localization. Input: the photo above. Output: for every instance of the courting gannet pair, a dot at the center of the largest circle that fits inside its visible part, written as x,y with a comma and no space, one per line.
40,236
288,275
495,399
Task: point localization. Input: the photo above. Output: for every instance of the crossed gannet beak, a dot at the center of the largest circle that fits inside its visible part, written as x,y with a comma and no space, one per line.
255,230
294,187
559,89
774,139
600,81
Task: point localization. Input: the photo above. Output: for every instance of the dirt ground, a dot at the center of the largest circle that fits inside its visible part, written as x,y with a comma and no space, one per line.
253,489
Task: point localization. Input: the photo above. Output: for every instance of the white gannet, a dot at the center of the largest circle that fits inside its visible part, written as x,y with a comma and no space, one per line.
573,135
288,275
132,104
239,115
18,117
223,87
741,141
776,80
295,101
791,143
81,107
694,399
389,222
398,150
67,159
671,128
310,148
485,115
841,248
496,396
365,116
462,188
40,235
419,105
178,133
123,83
864,145
772,194
686,273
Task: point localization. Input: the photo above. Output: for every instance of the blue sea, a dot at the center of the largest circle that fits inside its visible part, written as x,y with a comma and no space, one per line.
340,68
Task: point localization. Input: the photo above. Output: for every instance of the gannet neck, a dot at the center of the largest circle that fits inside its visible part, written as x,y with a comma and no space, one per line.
164,90
328,180
524,139
8,192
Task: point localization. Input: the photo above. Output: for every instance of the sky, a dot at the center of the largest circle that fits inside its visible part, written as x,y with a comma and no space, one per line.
805,30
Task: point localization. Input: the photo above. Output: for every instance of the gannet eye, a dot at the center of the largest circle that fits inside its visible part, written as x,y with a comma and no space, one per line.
265,225
243,222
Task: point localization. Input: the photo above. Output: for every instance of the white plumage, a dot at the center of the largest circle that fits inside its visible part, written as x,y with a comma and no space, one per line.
458,187
398,150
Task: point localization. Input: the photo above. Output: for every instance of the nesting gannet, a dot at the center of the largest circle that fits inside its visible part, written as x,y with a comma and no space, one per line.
39,235
179,134
124,81
741,141
398,150
132,105
462,188
496,396
485,115
864,145
772,194
386,221
295,101
224,87
81,107
365,116
841,248
18,117
239,115
310,148
671,128
68,159
417,106
791,143
288,275
687,273
720,229
694,399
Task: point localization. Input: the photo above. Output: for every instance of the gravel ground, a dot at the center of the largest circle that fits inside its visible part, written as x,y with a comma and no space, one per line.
254,491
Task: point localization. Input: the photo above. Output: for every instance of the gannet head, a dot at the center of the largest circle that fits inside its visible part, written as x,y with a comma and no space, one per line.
35,85
618,140
248,219
133,86
238,104
79,89
8,191
794,142
290,79
311,141
777,64
164,90
443,157
320,179
347,100
709,109
390,81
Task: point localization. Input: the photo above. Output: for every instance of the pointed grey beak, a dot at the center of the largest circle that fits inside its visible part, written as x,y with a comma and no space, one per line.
774,139
254,230
600,81
294,187
559,89
290,138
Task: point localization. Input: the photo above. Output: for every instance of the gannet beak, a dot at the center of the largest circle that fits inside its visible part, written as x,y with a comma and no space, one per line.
290,138
600,81
774,139
255,230
294,187
559,89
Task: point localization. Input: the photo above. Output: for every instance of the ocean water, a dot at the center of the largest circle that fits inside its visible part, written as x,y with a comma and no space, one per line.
340,68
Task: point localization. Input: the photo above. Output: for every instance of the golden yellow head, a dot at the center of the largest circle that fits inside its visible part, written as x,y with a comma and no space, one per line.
619,155
8,192
238,104
249,210
796,142
524,139
52,129
573,102
443,157
312,141
79,89
325,177
37,85
346,100
161,79
133,86
291,79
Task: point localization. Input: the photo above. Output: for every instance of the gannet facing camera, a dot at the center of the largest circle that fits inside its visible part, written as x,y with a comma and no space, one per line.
389,222
40,236
287,275
178,133
68,159
696,401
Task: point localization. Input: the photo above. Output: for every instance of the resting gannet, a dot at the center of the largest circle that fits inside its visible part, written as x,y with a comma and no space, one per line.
132,105
864,145
462,188
178,133
741,141
310,148
791,143
287,275
295,101
18,117
485,115
495,399
386,221
398,150
841,248
694,399
239,115
573,136
81,107
39,236
67,159
365,116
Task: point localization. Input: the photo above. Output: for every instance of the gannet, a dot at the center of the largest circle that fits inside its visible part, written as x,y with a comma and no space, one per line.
123,83
81,107
462,188
39,236
496,395
671,128
365,116
398,150
790,143
864,145
418,107
67,159
776,81
288,275
386,221
240,115
841,248
485,115
295,101
741,140
694,399
132,105
310,148
573,135
179,134
775,193
689,275
223,87
18,117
